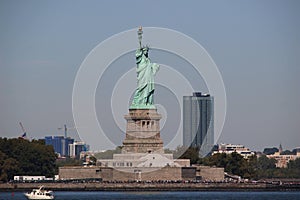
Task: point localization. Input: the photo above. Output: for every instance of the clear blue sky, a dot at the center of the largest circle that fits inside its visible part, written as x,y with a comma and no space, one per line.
255,44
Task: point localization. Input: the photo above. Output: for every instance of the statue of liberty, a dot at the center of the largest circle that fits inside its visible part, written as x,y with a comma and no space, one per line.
143,97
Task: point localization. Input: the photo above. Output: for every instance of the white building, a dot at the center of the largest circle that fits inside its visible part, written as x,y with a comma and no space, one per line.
283,160
76,148
29,178
34,178
230,148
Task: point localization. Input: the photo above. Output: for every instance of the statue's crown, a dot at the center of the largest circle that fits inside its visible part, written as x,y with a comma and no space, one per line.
145,48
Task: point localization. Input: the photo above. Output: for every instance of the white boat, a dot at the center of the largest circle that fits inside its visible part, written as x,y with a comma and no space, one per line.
40,193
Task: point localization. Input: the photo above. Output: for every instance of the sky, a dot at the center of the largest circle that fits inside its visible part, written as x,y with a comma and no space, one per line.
255,45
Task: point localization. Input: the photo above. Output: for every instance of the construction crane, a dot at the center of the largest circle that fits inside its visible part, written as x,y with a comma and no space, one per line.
24,131
66,129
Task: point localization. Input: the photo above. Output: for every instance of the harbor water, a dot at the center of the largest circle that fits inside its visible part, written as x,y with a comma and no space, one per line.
295,195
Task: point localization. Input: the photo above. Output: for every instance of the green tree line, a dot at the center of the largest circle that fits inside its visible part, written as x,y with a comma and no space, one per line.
108,154
23,157
253,167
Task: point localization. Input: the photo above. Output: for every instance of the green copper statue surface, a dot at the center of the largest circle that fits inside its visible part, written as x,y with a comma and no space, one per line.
143,97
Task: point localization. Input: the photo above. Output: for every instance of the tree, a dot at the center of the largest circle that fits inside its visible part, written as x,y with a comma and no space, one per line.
293,168
236,164
9,168
191,153
251,169
233,164
294,164
287,152
265,163
168,151
108,154
269,151
295,151
68,162
179,151
93,160
22,157
217,160
265,167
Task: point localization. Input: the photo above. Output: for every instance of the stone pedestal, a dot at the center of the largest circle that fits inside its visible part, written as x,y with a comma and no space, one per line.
142,151
143,132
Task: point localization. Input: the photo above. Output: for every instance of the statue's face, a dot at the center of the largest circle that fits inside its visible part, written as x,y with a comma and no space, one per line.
146,52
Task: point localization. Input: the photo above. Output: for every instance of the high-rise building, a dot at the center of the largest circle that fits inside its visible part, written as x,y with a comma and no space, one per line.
76,148
198,122
60,144
68,141
48,140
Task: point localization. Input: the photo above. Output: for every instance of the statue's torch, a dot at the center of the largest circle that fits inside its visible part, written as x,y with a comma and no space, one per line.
140,35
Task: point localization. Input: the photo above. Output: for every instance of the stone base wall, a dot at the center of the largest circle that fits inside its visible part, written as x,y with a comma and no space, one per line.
125,174
188,173
210,173
148,174
79,172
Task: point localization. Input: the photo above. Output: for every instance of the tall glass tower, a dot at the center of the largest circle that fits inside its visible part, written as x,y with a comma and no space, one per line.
198,122
60,144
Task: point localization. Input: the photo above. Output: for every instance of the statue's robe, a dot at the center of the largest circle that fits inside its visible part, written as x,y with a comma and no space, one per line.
145,80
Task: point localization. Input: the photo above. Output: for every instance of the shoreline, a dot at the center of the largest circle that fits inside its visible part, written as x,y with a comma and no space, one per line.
140,187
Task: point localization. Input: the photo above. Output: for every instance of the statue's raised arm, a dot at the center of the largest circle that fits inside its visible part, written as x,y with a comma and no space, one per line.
143,97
